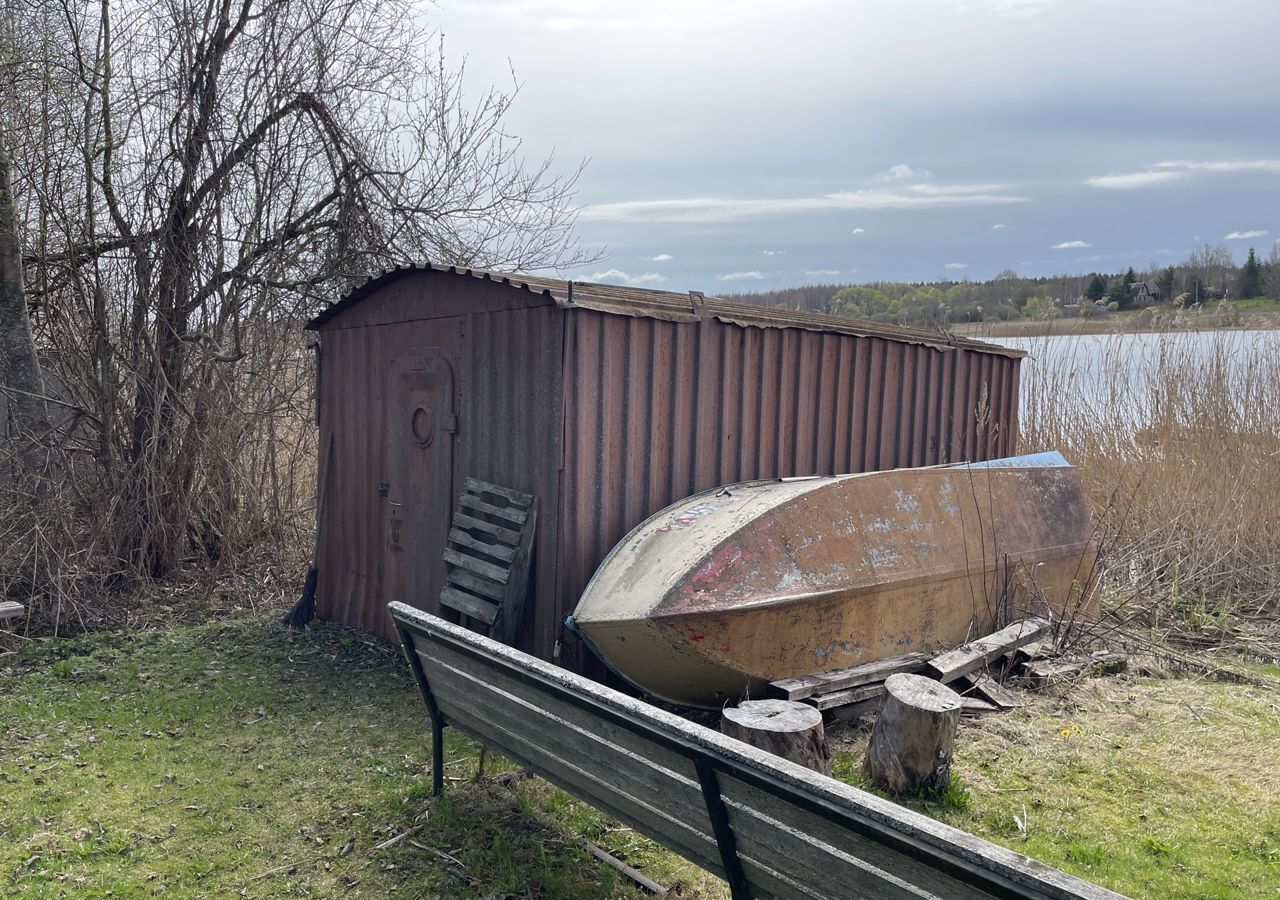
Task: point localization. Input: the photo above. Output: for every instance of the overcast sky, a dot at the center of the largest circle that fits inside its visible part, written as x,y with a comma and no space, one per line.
742,144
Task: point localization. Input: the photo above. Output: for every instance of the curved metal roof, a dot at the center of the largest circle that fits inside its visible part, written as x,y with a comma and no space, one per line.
669,306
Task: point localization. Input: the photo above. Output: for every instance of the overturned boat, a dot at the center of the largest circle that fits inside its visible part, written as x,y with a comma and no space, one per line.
711,599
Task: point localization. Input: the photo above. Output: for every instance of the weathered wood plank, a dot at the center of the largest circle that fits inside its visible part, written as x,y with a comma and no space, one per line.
636,812
855,710
11,610
830,858
476,486
499,574
633,873
470,523
475,584
845,698
630,772
512,514
975,706
974,655
839,679
518,584
497,551
469,605
987,688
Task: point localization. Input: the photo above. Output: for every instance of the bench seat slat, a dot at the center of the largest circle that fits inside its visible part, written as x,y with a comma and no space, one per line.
848,865
676,836
621,756
580,759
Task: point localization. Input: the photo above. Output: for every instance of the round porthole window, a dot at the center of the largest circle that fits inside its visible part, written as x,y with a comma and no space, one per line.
423,425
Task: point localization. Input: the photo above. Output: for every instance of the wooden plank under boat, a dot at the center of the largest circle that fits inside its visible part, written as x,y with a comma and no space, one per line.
712,598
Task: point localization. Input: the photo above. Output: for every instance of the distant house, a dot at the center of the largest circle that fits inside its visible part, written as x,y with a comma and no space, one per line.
1140,294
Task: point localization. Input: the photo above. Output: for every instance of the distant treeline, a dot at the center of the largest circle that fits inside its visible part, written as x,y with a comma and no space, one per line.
1208,274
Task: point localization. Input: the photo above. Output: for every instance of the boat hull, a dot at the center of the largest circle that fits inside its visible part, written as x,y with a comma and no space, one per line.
709,600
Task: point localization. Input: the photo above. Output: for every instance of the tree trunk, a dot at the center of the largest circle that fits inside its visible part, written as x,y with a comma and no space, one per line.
914,734
781,727
19,367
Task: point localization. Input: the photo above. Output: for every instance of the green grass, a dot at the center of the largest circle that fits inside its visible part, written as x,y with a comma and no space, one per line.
1160,789
238,759
230,758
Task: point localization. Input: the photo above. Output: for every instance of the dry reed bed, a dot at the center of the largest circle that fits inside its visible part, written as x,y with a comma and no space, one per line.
1178,439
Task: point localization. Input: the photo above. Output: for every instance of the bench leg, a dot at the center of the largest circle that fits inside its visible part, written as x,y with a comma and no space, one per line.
437,718
437,754
719,815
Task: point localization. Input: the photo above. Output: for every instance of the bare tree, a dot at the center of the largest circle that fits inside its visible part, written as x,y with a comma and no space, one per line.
199,178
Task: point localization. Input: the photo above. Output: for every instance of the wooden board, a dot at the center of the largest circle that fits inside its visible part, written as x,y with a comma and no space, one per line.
840,679
974,655
796,833
487,557
11,610
987,688
851,696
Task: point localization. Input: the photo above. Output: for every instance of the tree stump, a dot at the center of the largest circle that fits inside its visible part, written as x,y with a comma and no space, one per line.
914,734
781,727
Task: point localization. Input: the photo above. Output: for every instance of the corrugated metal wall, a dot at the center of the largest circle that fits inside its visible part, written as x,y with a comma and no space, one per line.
656,411
510,433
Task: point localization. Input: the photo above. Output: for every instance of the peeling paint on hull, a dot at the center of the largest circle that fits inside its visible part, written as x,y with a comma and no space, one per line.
712,598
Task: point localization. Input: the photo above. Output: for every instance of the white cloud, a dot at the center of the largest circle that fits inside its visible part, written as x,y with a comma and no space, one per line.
1128,181
901,172
1179,170
661,257
740,276
708,210
1071,245
1000,227
1009,9
613,276
1246,235
956,266
773,252
1223,165
859,231
956,190
821,273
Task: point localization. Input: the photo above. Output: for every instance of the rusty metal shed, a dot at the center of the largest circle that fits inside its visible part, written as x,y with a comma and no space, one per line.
608,404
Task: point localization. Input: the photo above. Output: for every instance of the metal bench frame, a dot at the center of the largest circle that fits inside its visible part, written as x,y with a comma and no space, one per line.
978,867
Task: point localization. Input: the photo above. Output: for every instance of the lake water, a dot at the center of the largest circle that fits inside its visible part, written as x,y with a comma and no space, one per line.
1094,367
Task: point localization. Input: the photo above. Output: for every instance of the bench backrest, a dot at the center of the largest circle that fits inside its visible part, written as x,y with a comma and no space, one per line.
768,826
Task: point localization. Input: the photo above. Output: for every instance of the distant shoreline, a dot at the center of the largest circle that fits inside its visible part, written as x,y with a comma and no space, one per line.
1145,321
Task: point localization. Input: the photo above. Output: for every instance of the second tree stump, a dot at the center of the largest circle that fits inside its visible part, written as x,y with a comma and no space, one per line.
781,727
912,740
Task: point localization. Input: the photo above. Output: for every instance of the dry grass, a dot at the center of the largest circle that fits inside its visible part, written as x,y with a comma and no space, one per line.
1178,439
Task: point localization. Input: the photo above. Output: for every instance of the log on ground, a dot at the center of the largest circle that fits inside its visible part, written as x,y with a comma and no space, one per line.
782,727
914,735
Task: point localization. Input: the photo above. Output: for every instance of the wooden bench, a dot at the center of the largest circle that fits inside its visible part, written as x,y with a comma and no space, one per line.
769,827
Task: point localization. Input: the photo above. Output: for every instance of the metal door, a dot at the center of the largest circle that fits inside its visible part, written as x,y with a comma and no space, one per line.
421,423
